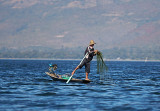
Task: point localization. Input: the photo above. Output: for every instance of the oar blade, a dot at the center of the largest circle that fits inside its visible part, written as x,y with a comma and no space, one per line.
69,79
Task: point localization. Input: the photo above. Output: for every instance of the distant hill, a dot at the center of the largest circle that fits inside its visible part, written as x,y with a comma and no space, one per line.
70,24
130,53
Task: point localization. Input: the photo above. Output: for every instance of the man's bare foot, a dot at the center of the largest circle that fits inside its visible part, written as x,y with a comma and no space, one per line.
87,79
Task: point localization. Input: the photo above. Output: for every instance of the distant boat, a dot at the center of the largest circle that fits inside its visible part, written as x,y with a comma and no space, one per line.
146,59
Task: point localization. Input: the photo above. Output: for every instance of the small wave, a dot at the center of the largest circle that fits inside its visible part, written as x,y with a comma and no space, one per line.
46,94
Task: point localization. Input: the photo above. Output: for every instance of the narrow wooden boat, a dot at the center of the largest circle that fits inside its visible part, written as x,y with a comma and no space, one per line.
57,77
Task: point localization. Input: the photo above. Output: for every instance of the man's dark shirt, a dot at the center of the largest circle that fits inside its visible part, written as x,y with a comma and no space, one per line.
90,51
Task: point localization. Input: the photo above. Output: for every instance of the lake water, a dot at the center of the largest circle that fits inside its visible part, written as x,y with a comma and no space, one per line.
132,86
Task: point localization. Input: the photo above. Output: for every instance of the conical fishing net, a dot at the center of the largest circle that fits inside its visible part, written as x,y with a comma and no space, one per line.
102,68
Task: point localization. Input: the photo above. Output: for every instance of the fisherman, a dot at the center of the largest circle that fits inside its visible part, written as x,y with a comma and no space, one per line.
89,52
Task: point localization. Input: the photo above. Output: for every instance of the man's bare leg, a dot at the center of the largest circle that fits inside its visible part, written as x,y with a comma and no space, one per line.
86,76
75,70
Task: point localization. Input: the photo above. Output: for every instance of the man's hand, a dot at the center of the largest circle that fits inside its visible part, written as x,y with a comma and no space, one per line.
95,51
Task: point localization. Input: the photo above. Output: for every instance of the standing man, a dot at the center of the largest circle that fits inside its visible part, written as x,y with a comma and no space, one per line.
89,52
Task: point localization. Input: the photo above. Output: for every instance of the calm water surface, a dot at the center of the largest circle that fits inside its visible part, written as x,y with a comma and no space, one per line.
132,86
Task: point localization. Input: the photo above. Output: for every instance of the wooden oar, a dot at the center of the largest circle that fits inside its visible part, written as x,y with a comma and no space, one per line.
77,66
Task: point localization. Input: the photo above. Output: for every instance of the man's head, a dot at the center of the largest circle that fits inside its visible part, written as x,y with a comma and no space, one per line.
92,43
54,66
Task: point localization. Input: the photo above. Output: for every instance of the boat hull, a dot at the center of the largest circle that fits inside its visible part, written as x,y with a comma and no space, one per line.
57,77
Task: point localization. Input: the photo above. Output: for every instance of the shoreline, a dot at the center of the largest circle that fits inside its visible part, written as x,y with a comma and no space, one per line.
77,59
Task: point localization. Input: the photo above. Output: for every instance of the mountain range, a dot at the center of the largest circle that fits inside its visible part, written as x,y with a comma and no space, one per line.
72,24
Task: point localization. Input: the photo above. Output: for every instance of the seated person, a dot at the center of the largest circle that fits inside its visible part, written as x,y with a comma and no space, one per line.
52,68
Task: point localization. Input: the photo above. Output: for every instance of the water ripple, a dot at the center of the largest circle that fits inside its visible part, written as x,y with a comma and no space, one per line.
131,86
